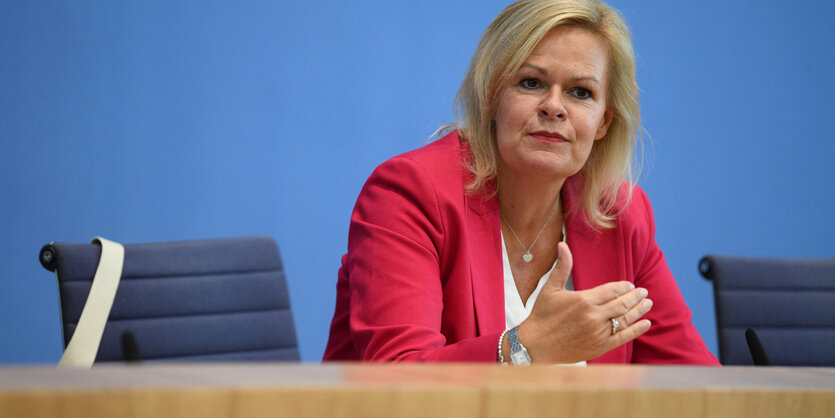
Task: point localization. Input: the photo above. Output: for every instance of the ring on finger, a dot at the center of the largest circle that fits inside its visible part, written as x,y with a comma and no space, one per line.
615,325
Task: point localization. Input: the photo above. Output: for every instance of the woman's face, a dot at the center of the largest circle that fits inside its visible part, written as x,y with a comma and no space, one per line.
554,107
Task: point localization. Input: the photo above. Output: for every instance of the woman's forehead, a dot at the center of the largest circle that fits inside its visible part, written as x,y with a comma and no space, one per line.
571,49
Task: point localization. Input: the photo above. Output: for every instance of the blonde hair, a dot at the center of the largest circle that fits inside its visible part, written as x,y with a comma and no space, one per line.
504,47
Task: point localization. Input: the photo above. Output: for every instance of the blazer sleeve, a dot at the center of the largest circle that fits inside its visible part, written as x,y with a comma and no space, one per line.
395,242
672,338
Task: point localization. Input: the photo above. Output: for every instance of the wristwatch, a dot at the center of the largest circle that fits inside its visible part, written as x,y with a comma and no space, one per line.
518,353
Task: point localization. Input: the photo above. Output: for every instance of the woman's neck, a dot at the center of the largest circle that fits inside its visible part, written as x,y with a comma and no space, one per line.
526,204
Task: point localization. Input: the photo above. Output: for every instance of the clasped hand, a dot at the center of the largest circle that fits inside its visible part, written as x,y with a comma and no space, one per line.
570,326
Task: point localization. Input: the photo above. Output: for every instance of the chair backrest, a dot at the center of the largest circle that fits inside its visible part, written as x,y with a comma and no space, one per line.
789,303
201,300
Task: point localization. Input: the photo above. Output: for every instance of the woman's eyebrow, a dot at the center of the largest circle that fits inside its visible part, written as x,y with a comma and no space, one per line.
533,67
574,79
590,78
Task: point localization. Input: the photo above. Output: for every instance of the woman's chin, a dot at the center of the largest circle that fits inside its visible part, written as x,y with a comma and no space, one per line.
550,166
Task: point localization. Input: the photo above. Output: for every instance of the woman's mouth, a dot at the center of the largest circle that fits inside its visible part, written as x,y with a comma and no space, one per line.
547,137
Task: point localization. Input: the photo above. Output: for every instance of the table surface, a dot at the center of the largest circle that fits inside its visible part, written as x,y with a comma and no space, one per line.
369,390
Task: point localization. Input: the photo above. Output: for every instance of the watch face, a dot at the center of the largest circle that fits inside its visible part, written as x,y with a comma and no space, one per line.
520,357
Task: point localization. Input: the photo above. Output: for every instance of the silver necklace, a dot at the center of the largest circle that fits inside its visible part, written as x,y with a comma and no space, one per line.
528,256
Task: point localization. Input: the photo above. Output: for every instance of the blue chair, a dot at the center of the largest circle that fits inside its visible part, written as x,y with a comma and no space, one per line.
202,300
789,303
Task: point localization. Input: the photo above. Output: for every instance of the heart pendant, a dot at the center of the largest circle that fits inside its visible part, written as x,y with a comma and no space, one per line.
527,257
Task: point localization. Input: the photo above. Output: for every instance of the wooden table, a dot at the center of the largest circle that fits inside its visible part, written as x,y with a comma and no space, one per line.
415,390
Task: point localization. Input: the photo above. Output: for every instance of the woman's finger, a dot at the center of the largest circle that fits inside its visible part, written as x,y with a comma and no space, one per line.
606,292
628,334
559,276
622,304
634,314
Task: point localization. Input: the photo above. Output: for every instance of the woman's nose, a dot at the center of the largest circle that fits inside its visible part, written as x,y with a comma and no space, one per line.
552,106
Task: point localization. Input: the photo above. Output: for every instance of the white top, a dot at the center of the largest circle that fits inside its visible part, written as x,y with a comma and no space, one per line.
514,310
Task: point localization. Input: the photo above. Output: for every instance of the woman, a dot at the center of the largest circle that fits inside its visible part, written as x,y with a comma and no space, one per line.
518,237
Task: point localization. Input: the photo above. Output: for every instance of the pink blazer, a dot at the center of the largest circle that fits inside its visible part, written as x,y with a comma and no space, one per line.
422,279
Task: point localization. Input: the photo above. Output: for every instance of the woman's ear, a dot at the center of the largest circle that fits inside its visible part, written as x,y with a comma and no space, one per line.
604,125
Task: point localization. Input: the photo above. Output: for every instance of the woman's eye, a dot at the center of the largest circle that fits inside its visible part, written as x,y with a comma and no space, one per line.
530,83
581,93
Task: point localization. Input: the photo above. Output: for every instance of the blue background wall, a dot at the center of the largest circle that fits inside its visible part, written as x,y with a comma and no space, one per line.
159,120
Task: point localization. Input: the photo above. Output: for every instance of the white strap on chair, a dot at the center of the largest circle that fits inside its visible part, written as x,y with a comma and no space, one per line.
84,345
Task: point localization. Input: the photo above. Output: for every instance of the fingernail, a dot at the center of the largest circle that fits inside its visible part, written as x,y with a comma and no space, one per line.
631,285
647,304
645,325
643,291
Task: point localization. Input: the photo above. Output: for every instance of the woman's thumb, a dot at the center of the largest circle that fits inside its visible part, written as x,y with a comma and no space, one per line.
559,276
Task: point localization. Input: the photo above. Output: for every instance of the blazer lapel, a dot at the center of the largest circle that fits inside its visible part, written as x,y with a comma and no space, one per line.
596,260
589,269
485,256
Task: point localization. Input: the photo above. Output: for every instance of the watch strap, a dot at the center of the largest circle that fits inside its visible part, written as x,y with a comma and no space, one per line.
518,353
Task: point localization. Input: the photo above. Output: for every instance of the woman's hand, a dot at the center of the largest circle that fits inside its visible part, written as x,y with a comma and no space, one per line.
570,326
